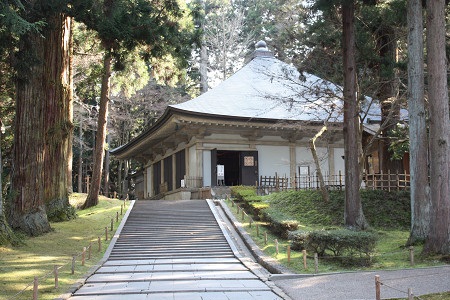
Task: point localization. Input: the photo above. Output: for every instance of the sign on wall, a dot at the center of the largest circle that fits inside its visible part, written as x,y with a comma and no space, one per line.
249,161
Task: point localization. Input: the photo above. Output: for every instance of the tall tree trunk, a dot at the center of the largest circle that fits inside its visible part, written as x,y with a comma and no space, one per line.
312,147
58,125
70,112
106,172
80,156
99,150
27,210
390,110
438,240
353,214
203,68
119,178
420,200
6,234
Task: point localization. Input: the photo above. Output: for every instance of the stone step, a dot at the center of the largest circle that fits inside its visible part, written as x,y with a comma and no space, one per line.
168,276
146,287
174,261
222,295
171,267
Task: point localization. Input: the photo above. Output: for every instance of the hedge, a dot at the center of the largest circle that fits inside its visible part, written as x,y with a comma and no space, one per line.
279,223
340,242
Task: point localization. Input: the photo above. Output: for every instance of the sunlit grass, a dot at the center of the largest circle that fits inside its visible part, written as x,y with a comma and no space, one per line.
390,252
19,265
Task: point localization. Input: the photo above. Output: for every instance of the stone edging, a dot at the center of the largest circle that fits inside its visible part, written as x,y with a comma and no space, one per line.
271,264
80,282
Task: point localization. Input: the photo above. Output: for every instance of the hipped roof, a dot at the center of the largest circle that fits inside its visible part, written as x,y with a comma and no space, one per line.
264,90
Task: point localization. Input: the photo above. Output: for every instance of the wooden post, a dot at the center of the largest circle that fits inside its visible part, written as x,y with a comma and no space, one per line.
411,255
232,203
73,264
121,209
316,263
288,254
55,272
106,233
243,215
257,229
237,209
410,294
377,287
276,246
99,240
265,238
83,256
340,180
398,182
117,216
87,185
389,180
112,224
305,266
35,288
250,222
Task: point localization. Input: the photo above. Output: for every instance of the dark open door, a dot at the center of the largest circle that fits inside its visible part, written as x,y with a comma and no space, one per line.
168,172
248,167
180,167
156,177
213,167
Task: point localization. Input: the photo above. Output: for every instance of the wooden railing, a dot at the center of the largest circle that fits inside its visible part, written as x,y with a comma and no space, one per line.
389,181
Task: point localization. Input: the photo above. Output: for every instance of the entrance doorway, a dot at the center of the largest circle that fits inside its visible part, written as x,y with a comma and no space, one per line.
240,167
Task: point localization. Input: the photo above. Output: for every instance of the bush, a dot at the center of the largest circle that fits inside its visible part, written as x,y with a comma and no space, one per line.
279,223
340,242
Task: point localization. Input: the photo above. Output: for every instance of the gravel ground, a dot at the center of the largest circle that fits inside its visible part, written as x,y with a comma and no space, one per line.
361,285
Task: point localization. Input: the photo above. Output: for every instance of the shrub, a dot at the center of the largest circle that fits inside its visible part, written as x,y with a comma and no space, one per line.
279,223
340,242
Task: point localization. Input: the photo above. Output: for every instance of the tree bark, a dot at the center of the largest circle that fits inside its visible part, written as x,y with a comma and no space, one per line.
99,149
27,210
438,240
390,110
106,172
420,200
353,214
312,147
57,84
203,68
80,156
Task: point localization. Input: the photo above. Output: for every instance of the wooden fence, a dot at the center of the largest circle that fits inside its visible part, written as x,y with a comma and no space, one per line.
388,181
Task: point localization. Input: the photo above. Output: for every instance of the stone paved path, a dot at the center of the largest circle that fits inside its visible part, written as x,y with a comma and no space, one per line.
173,250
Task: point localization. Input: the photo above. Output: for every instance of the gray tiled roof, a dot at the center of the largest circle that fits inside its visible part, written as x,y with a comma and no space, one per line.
268,88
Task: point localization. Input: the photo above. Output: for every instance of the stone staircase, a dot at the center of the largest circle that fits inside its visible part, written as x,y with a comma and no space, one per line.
173,250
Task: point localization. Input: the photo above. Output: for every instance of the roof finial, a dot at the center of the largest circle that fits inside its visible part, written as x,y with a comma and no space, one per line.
261,50
261,46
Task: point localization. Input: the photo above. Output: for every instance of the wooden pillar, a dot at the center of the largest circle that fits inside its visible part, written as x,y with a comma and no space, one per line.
174,172
293,163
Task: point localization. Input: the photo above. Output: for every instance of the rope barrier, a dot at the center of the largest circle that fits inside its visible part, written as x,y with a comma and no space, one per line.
47,275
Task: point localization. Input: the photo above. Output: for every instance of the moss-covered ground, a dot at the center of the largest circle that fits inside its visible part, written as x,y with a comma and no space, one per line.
38,255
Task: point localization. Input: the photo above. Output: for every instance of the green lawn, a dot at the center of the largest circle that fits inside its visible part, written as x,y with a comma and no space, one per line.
38,256
390,252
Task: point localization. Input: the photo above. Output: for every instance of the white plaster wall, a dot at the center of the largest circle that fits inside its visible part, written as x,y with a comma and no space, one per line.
339,163
304,158
206,168
273,159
